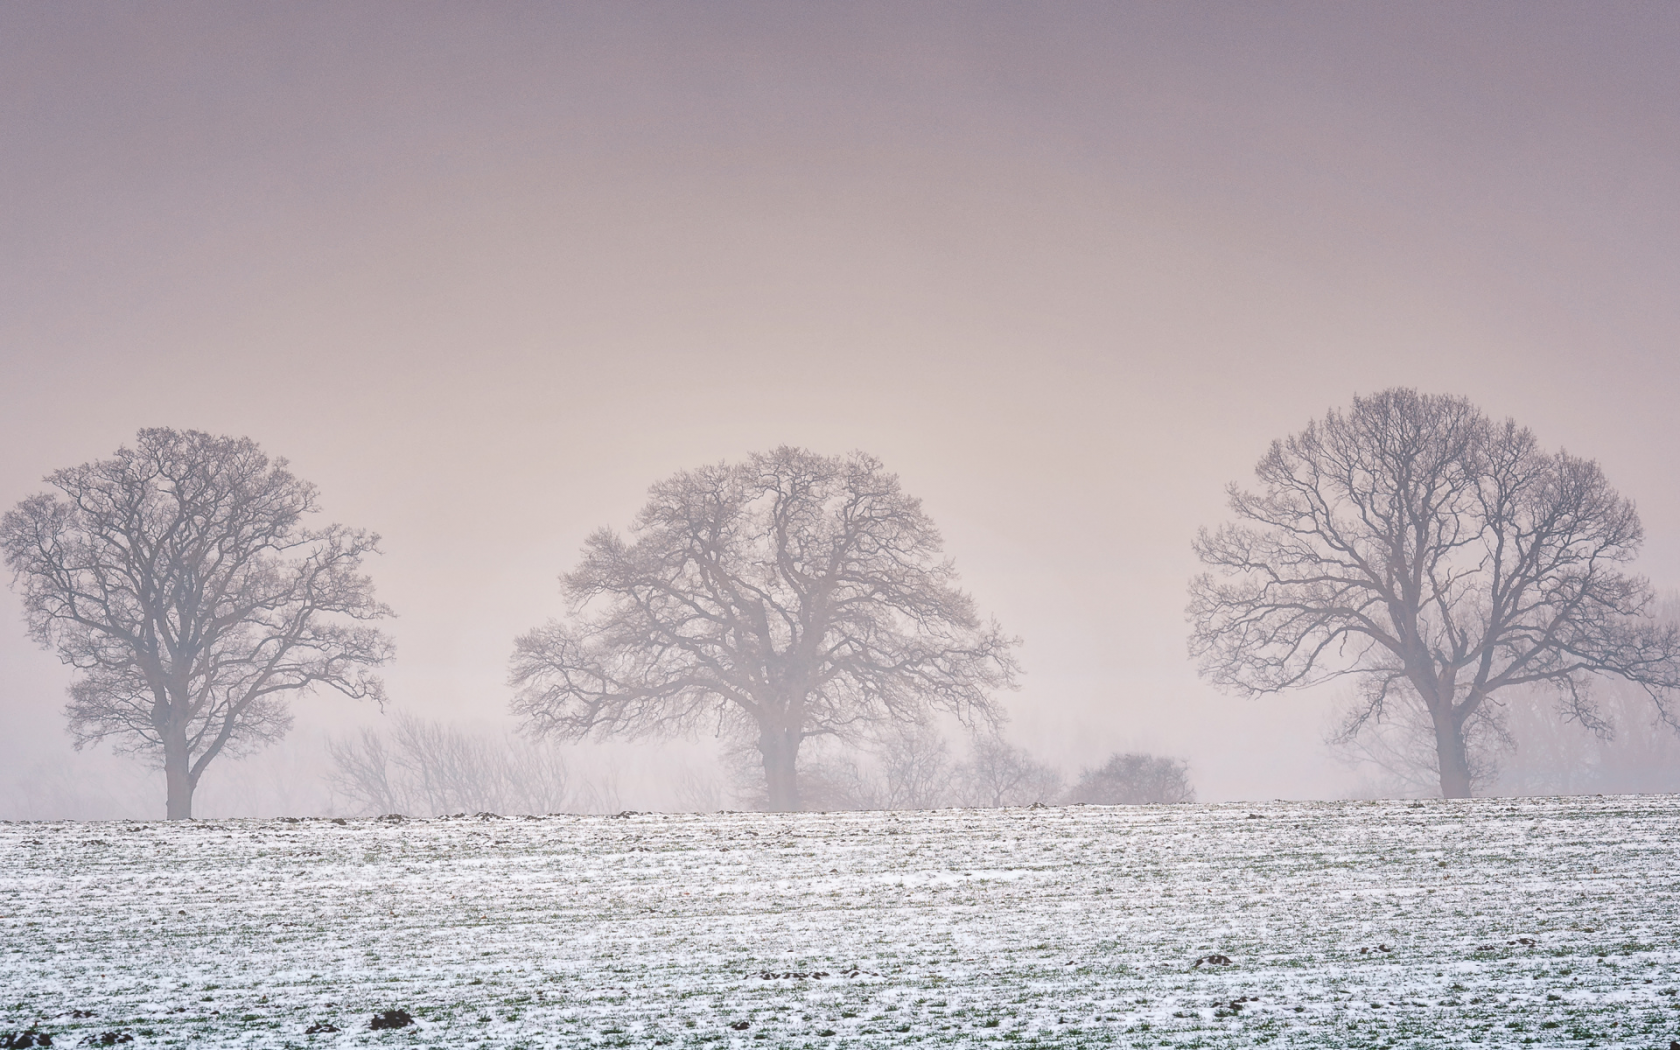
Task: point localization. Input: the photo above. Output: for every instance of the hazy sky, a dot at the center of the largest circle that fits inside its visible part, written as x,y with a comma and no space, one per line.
484,272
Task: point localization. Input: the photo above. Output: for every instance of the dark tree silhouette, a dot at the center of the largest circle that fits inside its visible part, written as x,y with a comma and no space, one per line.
177,578
1437,556
791,596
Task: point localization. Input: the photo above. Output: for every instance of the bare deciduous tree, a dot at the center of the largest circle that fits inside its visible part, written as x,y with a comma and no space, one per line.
366,774
1517,745
915,765
1548,756
179,580
1424,549
1397,755
430,769
1134,780
906,766
701,790
998,773
793,596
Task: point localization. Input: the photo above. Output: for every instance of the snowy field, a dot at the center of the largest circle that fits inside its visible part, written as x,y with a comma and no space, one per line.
1551,922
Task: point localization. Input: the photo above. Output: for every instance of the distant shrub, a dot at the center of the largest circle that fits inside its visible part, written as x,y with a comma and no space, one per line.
998,773
1134,780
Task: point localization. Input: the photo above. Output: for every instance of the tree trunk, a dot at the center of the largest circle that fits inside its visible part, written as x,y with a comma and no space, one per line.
780,750
1451,755
177,775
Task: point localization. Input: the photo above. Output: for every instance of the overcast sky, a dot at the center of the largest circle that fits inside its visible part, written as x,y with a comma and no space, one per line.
485,272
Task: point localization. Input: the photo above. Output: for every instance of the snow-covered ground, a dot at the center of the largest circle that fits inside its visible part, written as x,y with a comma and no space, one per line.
1495,922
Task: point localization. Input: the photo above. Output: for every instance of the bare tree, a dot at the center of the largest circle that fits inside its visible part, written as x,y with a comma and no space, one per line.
178,579
1416,545
1517,745
430,768
900,766
1397,755
998,773
1134,780
906,766
793,596
366,774
915,766
1548,756
700,790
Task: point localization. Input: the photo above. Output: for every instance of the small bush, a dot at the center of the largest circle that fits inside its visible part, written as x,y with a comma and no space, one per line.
1134,780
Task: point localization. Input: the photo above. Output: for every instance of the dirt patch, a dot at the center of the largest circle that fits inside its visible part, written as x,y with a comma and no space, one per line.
391,1019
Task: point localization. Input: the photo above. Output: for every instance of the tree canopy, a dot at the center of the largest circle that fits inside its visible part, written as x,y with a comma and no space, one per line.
180,582
787,597
1439,557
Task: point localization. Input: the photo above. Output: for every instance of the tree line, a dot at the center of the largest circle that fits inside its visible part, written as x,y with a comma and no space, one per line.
801,606
422,767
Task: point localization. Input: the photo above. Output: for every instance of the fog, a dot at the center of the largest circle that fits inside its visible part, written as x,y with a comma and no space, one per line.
483,274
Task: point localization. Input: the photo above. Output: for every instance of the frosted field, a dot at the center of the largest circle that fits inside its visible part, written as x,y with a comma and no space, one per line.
1551,922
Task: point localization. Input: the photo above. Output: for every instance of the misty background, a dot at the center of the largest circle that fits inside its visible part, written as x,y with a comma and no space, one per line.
483,274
